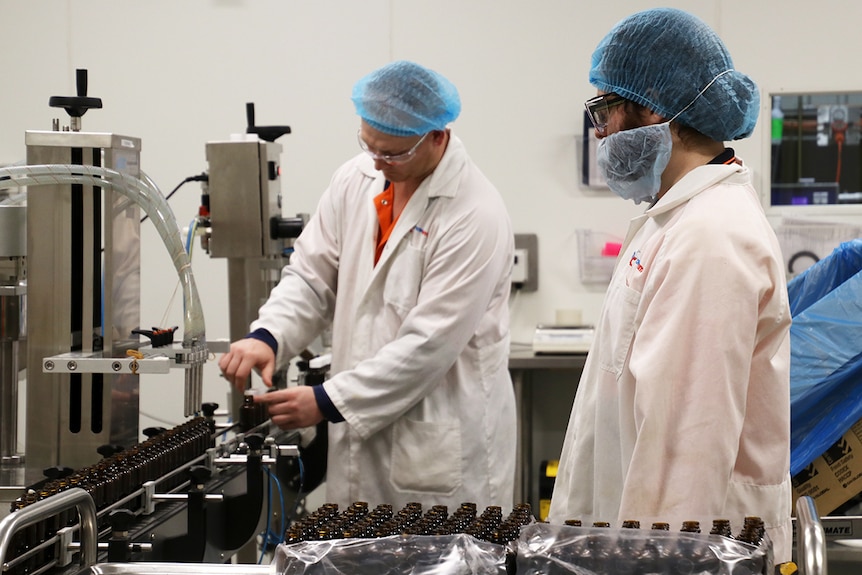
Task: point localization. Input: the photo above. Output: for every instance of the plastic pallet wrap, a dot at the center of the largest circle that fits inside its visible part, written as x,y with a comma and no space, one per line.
396,554
826,353
545,549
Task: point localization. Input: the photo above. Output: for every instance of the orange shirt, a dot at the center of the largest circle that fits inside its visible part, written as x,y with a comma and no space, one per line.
383,202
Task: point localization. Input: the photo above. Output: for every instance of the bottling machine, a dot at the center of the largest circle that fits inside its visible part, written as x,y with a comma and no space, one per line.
71,336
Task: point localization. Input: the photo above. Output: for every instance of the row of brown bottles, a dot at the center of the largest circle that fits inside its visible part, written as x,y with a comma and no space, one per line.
109,480
752,532
659,551
357,521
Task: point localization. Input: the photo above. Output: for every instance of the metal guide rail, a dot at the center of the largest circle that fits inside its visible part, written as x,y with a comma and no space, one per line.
174,497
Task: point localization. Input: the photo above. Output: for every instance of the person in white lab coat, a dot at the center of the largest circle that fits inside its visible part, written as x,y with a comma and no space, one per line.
409,256
682,411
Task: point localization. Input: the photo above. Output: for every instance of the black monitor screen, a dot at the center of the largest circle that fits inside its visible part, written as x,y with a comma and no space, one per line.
816,157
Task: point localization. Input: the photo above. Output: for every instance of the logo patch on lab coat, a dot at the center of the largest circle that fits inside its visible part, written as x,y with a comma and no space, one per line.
635,262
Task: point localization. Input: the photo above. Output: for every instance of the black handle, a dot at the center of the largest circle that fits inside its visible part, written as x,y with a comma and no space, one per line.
76,106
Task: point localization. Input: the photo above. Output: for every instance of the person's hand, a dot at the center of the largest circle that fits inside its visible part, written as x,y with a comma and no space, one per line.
245,355
292,408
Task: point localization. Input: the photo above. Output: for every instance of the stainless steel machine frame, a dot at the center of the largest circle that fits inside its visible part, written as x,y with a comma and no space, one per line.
245,205
87,300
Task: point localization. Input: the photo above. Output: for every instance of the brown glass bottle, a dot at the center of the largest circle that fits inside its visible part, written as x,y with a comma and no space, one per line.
654,554
19,543
627,551
598,548
687,554
721,527
753,530
35,534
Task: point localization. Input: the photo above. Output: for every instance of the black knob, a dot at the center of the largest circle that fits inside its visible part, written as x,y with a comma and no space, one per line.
121,520
285,227
76,106
108,450
209,409
254,441
266,133
151,432
158,336
199,474
57,472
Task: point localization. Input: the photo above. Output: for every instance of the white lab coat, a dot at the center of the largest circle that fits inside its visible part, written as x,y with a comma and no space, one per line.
683,408
420,341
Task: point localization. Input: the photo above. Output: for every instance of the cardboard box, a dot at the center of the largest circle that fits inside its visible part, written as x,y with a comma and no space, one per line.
836,476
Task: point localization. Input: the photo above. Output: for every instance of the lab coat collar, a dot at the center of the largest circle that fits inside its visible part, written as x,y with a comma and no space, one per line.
695,182
686,188
438,184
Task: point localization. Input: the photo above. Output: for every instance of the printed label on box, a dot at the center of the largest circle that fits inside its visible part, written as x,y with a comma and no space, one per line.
836,476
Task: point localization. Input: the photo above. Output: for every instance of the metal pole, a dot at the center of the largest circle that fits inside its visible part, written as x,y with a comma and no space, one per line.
811,544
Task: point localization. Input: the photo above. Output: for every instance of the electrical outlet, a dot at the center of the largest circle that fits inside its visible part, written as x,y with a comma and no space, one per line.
525,273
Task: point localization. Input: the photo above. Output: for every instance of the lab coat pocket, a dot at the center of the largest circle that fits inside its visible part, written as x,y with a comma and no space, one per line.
404,277
426,456
618,327
493,359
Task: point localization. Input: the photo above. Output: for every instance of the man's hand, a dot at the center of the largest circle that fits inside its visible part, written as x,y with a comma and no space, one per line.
292,408
245,355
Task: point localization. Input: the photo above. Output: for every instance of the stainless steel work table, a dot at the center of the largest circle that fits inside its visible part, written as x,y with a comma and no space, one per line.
525,366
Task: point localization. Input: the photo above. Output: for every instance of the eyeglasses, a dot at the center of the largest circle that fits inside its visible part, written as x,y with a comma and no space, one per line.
390,158
598,109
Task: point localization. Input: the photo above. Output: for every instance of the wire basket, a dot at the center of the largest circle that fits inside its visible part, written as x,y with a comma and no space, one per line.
597,253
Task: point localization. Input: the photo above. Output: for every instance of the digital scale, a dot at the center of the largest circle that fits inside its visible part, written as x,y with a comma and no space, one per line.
550,339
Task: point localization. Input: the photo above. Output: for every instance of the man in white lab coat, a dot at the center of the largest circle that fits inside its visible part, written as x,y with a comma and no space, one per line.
682,412
409,256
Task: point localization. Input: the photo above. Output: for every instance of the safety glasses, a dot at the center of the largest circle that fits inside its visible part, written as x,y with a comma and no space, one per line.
598,109
390,158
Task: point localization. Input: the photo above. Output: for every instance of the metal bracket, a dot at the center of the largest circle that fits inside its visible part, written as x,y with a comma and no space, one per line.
79,362
147,360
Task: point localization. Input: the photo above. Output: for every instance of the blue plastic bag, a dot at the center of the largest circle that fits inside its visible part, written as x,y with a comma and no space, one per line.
825,353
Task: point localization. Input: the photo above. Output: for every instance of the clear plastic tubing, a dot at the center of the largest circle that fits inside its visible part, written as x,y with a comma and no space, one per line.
152,202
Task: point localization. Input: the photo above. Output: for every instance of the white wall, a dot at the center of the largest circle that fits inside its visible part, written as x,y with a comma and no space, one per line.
178,74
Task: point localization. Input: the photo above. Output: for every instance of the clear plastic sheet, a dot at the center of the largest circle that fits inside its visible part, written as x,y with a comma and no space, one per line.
397,554
545,549
826,353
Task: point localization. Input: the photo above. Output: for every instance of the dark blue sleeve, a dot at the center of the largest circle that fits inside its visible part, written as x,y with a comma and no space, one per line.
266,337
324,404
327,408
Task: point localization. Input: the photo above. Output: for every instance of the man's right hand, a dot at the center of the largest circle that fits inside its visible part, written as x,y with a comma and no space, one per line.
245,355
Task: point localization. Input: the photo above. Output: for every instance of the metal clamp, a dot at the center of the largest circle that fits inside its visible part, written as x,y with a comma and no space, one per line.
185,497
275,451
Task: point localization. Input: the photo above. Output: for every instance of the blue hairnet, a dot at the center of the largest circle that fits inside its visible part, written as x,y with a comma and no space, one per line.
406,99
662,58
